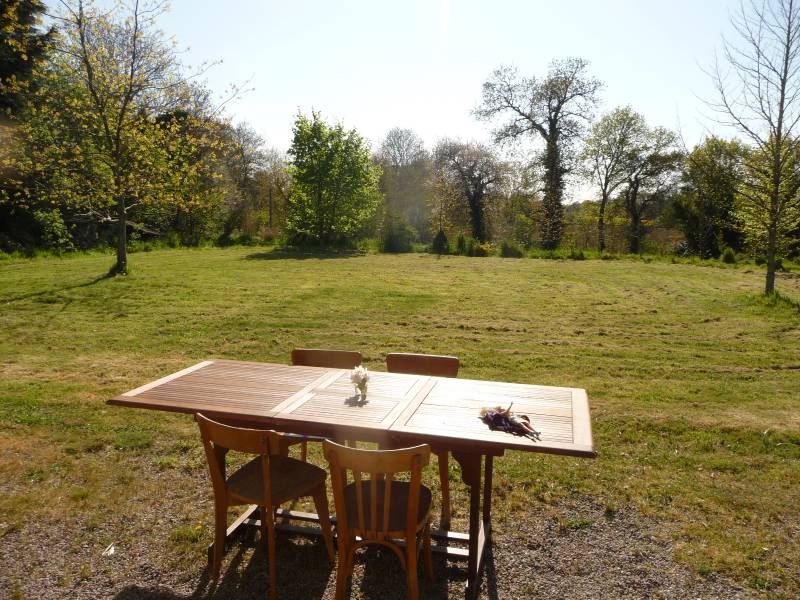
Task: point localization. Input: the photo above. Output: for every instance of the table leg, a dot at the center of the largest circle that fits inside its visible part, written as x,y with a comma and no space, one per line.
487,492
471,475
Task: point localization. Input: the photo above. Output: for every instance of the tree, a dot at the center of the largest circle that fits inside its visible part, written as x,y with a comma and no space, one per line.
406,178
476,172
758,89
275,185
22,46
713,172
245,158
401,148
652,166
334,191
92,135
606,157
554,109
765,222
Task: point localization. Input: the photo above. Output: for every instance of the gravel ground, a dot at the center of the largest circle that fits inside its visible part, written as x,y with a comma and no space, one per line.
570,551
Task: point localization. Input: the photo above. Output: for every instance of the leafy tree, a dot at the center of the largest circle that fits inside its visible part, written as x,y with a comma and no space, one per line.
476,172
758,90
765,222
705,208
245,158
606,155
652,167
92,139
23,45
334,190
555,109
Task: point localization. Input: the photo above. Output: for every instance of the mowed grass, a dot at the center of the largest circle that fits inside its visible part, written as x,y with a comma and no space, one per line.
693,380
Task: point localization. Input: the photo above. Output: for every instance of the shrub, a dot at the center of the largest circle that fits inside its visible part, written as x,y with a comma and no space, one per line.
576,255
396,235
510,250
475,248
440,244
729,256
54,232
461,244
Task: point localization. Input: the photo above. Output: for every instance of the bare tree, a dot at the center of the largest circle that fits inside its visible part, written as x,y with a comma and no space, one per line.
555,109
476,172
758,87
607,154
401,148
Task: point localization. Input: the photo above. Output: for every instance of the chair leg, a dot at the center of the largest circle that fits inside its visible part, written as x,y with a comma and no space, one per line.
411,568
220,529
273,576
426,551
262,510
304,451
444,484
343,568
321,502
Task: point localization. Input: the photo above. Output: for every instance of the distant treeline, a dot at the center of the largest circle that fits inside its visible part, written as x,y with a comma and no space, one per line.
108,138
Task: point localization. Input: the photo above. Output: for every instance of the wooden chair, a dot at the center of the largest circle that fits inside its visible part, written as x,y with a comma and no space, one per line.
422,364
268,480
312,357
334,359
435,366
380,510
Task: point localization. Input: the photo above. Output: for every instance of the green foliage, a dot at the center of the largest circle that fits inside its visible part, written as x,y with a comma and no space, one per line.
335,189
396,234
769,215
440,245
705,208
54,233
575,254
729,256
23,44
510,249
469,246
461,244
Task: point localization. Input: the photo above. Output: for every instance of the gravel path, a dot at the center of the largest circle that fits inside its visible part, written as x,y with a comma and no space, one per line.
569,551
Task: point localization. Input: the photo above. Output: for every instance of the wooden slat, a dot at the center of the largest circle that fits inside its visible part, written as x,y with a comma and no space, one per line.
406,408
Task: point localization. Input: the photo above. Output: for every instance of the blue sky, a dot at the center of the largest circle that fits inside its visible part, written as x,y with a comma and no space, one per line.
420,63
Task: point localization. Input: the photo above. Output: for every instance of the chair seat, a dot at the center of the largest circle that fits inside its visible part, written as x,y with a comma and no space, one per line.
290,478
398,505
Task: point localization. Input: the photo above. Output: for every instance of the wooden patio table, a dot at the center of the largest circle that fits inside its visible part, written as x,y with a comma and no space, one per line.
400,410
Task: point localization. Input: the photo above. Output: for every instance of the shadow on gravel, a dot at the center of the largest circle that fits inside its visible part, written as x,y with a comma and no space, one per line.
304,573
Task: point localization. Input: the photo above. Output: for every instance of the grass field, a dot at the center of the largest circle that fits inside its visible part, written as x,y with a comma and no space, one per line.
693,380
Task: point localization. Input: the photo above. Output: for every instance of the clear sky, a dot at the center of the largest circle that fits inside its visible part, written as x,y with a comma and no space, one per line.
376,64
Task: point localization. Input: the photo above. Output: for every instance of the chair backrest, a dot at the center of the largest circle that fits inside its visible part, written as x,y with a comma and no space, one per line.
335,359
219,438
380,467
422,364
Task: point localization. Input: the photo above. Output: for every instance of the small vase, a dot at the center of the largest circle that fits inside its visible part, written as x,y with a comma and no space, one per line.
362,389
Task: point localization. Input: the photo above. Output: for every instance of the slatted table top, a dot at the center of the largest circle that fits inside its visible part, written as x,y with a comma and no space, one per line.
408,408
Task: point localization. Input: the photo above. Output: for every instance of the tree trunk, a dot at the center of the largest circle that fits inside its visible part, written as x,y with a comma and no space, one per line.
601,225
270,207
478,222
121,268
772,240
320,216
553,192
636,235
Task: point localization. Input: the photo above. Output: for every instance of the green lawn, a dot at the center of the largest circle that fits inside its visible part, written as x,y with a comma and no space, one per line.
693,379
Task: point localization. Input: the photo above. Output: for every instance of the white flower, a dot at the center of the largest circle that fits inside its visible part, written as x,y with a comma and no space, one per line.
359,376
